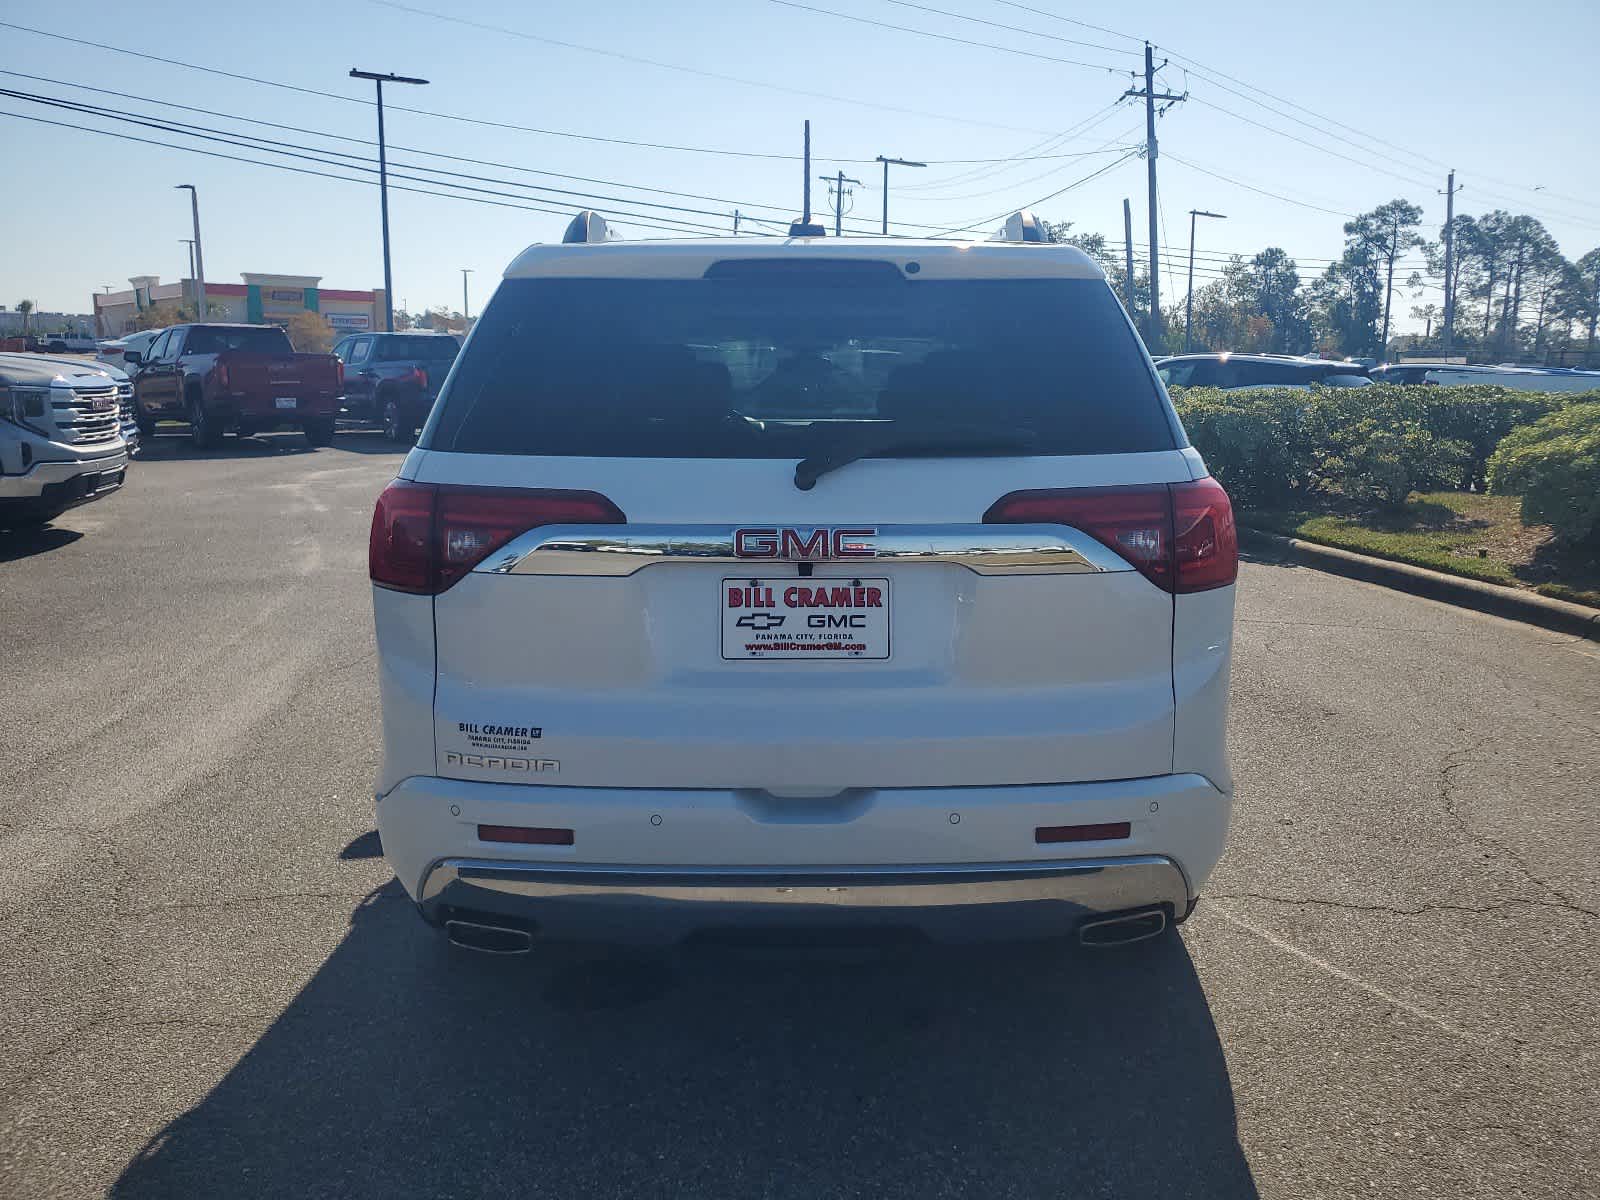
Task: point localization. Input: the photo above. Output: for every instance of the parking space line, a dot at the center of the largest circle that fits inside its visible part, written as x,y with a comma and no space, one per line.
1354,981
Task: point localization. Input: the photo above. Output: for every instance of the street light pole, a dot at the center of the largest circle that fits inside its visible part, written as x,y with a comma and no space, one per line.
199,255
887,163
189,242
383,186
1188,302
466,311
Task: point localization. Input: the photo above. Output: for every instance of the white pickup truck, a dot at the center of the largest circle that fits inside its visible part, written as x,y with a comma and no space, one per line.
61,436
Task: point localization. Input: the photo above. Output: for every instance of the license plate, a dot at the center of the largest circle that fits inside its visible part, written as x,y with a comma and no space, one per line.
793,618
288,402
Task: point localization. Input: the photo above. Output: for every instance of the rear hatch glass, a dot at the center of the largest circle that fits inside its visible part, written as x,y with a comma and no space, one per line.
772,364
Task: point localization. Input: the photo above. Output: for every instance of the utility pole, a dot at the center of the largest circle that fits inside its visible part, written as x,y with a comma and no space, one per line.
383,186
887,163
836,195
1450,190
1188,299
736,222
199,256
805,214
1149,95
1127,246
466,312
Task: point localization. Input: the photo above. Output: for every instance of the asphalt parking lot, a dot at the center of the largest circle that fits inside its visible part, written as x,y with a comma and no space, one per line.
213,987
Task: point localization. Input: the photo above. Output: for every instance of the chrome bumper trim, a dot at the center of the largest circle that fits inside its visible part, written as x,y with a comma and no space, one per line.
618,550
629,903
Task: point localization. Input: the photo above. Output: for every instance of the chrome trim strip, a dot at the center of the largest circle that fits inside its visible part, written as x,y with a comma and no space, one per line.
1097,885
619,550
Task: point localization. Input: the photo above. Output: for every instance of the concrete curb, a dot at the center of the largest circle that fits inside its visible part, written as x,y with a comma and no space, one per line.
1530,607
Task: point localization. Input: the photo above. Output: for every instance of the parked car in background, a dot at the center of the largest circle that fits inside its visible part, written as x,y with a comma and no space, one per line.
394,377
241,378
66,343
61,440
1410,374
795,586
113,351
1523,379
1231,372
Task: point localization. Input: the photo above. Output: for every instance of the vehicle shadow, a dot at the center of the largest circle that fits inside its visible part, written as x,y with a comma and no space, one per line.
174,446
407,1067
28,541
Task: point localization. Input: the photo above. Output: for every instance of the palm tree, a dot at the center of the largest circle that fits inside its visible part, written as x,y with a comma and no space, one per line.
25,307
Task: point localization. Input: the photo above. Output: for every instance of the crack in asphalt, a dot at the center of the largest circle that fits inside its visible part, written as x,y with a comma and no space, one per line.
1455,761
1396,910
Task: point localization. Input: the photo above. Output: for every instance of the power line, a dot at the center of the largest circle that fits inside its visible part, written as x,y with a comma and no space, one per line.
1012,28
270,145
289,149
1111,149
1070,20
1259,190
704,74
1060,191
636,143
646,220
1027,154
942,37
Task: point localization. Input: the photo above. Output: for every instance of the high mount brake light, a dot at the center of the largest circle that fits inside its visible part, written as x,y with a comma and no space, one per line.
1179,536
426,536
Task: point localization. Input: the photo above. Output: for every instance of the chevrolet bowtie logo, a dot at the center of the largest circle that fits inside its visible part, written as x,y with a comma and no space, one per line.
759,621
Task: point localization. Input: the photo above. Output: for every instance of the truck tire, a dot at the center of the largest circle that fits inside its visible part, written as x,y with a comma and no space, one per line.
319,433
391,422
202,426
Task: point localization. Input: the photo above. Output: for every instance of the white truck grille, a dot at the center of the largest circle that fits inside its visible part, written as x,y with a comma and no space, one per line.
91,416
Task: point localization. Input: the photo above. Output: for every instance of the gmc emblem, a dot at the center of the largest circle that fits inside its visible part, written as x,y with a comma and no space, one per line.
804,544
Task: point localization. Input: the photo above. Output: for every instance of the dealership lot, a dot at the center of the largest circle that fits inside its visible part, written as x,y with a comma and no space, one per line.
213,986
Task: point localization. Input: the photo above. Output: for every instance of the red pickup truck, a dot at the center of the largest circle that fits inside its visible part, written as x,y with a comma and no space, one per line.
246,378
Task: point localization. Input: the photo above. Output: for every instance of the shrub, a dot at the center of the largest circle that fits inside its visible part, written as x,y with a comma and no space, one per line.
1480,416
1255,442
1554,464
1373,444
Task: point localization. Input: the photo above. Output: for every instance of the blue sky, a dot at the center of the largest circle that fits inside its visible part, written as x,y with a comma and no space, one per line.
1494,99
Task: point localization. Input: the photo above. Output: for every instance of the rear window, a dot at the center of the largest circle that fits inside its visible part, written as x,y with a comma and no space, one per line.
261,339
428,348
771,365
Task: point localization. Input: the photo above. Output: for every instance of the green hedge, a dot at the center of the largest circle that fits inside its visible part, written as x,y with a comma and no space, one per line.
1272,447
1554,465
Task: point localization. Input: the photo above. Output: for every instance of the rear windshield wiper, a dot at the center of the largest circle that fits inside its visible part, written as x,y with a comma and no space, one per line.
968,439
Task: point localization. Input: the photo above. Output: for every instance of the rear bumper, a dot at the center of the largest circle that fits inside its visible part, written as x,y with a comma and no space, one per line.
948,902
659,865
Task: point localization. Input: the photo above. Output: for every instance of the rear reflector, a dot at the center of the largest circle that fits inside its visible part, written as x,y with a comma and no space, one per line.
1110,831
525,835
426,536
1179,536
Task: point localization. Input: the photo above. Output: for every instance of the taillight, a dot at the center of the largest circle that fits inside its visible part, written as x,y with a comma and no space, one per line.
222,375
426,536
420,378
1180,536
338,367
1205,539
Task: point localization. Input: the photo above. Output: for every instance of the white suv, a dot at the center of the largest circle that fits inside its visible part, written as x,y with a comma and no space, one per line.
785,586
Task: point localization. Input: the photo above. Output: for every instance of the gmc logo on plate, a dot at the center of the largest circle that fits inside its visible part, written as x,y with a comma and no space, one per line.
804,544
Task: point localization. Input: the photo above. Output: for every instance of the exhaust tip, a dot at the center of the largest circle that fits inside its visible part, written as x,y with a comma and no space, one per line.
488,939
1124,929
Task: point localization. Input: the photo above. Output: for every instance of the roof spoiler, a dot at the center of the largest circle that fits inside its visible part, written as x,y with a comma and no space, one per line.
589,226
1020,226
